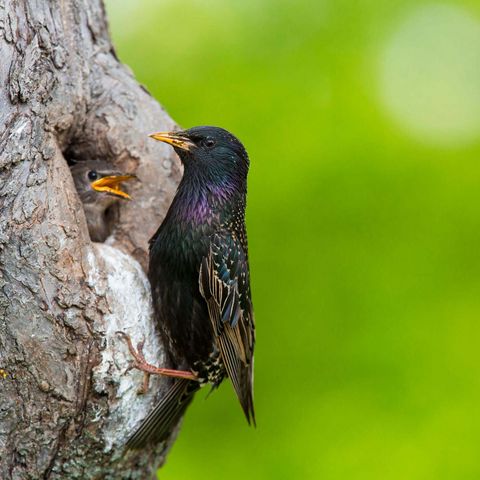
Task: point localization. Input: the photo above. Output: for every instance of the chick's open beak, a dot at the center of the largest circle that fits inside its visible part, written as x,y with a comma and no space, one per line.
176,139
111,184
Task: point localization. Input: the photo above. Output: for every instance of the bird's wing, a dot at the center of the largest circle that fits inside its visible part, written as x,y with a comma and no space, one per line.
225,284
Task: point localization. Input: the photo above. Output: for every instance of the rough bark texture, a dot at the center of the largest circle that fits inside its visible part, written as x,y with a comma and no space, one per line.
66,404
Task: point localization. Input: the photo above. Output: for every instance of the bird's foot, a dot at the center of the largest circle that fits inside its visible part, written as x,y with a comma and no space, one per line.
140,363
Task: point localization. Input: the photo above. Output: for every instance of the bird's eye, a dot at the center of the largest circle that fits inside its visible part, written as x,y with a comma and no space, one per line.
92,175
209,142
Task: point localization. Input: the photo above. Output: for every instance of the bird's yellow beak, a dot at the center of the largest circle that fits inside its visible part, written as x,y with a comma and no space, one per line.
176,139
111,184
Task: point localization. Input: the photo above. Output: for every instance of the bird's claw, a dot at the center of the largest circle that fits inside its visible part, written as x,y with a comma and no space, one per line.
130,367
137,355
140,346
140,363
145,385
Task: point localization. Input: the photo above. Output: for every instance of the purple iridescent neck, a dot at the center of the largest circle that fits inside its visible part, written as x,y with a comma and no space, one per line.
200,204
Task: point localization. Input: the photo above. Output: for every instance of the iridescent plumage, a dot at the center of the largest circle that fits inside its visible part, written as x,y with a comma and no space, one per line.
200,276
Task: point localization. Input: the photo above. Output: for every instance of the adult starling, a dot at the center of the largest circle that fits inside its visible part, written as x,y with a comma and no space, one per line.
200,279
98,185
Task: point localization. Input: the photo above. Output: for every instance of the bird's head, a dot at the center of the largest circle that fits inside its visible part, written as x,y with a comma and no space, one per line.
211,150
98,182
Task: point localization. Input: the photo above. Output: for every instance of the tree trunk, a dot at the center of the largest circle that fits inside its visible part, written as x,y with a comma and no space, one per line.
66,403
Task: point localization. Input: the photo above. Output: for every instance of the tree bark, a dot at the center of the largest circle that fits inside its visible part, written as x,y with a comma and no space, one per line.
66,403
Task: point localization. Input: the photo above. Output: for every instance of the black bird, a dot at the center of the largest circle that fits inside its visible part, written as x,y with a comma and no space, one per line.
98,186
200,279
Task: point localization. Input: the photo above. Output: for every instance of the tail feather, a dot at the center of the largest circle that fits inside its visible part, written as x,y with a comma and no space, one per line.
157,425
240,375
245,395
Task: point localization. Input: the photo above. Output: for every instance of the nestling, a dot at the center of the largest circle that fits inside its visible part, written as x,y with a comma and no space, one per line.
200,279
98,186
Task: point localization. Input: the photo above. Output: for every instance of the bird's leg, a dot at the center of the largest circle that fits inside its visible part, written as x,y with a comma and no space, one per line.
140,363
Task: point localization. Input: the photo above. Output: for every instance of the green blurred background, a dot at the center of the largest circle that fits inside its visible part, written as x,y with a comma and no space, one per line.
362,120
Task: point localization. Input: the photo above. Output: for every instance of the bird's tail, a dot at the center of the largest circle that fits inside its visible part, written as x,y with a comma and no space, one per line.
158,423
245,393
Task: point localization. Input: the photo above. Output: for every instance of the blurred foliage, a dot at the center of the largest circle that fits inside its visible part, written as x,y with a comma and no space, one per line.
364,235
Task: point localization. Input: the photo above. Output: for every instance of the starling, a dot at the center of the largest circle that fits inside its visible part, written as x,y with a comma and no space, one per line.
98,185
200,279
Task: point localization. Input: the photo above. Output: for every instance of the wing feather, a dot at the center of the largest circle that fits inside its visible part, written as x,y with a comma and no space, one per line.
224,282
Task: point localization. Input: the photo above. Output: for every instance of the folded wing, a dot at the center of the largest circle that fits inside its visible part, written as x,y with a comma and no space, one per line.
225,284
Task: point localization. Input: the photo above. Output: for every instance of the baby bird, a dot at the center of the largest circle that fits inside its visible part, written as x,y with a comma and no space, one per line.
98,186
